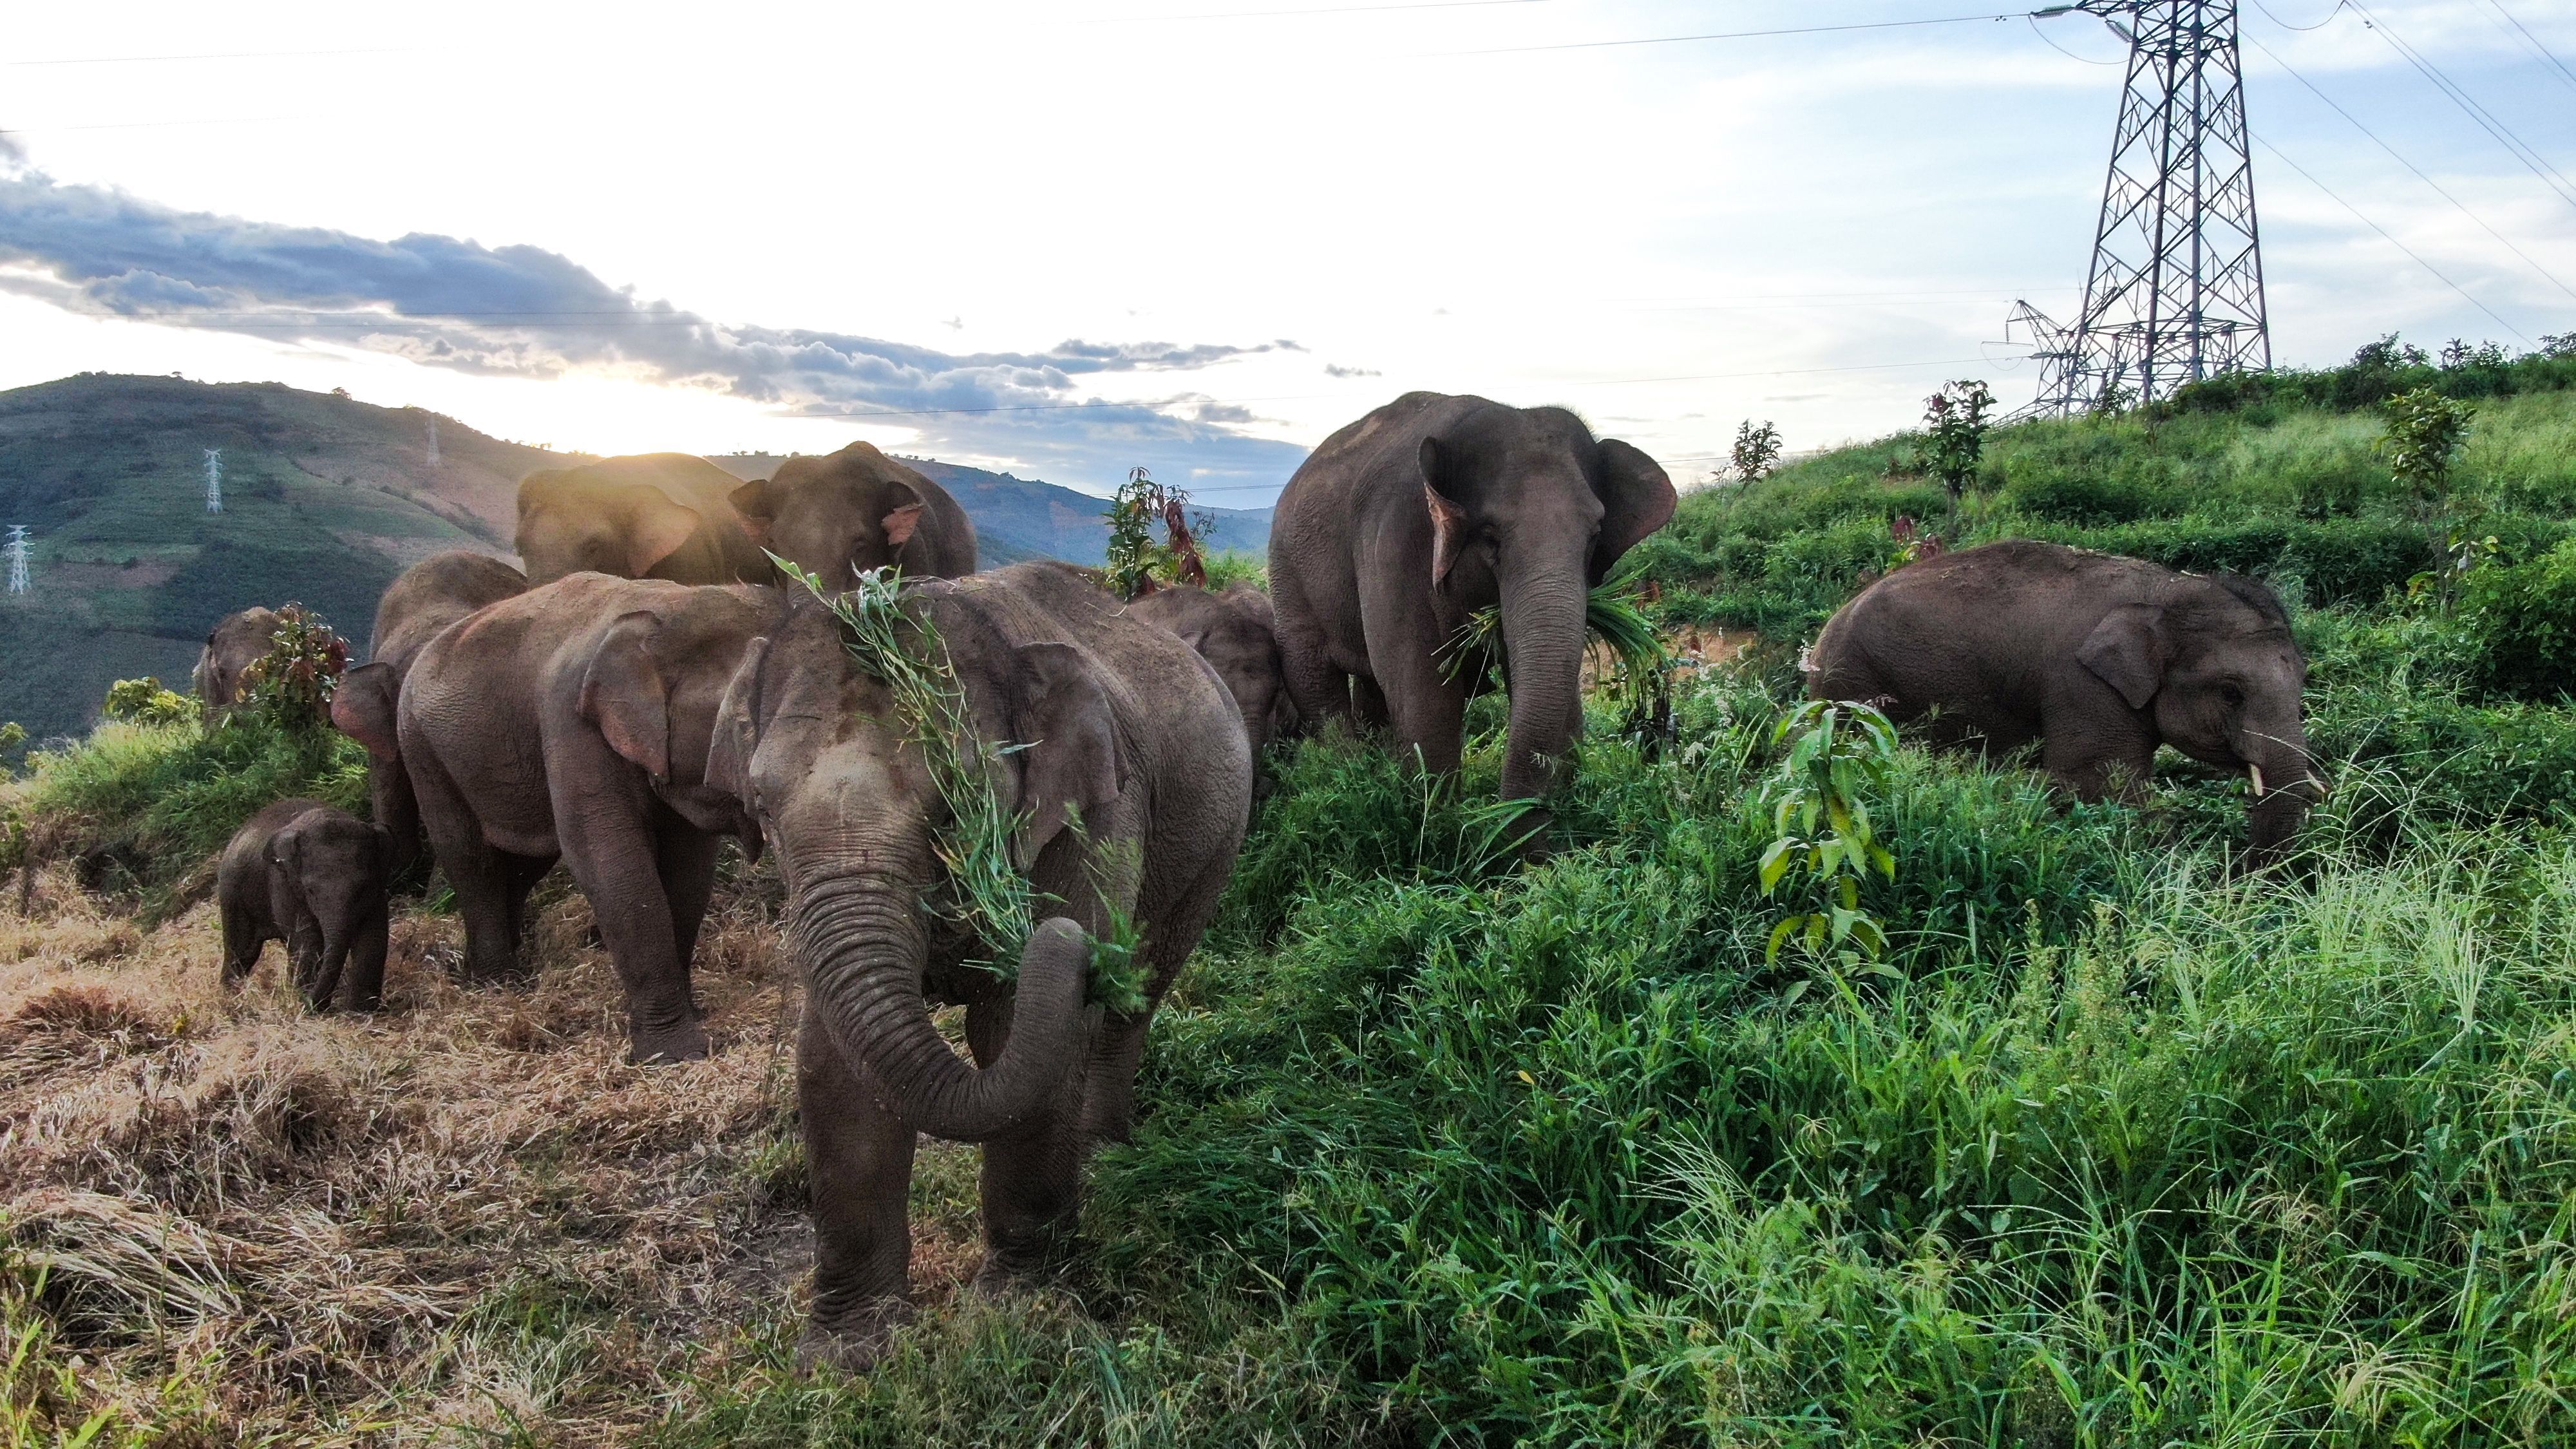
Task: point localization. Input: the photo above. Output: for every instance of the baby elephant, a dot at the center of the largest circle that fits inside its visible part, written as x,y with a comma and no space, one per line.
312,876
1233,631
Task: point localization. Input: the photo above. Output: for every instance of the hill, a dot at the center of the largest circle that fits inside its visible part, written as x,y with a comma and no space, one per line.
1018,518
326,499
2117,1144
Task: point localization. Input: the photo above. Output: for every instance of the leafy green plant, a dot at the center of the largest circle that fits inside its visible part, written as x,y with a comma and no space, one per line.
1954,421
291,684
1839,753
145,701
1138,565
1756,452
2425,431
1639,659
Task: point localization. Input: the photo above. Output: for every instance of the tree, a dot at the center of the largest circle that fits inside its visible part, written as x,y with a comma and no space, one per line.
1757,450
1137,565
1955,420
2425,431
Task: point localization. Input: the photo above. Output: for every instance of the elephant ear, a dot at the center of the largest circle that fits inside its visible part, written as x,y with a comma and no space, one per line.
656,532
1071,760
363,709
737,731
1636,499
1448,520
903,517
624,694
2128,651
757,509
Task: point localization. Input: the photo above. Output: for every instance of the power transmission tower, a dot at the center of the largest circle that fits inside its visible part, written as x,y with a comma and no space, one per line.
2175,293
17,547
214,480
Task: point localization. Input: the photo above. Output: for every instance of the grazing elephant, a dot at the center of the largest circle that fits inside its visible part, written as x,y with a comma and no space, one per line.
1130,792
653,516
857,510
1407,522
572,722
313,877
1235,632
2098,658
237,641
430,595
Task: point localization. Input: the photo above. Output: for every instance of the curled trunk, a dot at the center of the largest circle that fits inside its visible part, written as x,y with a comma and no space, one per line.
861,939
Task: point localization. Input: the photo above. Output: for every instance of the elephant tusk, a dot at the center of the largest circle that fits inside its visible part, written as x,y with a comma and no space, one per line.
2255,772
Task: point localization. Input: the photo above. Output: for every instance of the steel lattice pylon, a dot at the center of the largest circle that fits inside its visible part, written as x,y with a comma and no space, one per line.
2176,289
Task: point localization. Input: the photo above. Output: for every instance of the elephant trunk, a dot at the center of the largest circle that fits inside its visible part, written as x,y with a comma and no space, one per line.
2283,784
860,937
1542,614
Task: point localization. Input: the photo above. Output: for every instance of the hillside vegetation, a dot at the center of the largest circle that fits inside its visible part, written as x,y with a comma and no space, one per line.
2117,1146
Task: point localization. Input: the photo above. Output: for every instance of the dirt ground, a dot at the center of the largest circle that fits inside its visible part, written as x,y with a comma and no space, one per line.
464,1213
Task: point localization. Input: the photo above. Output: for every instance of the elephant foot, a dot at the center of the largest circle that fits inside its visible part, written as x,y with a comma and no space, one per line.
686,1042
855,1342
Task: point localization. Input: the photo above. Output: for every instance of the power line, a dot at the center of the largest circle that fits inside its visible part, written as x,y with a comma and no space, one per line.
215,55
2419,172
1735,35
2285,25
1320,10
2451,89
2384,232
2534,41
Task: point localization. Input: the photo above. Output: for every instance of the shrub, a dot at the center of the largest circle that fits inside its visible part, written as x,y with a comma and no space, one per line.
2520,620
144,701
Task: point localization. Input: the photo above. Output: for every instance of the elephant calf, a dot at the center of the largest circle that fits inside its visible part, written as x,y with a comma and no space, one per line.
312,876
2098,658
1235,633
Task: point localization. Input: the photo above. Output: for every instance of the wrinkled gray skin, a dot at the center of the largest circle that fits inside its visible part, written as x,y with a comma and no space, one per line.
1235,632
572,721
841,516
1408,521
313,877
2098,658
237,641
1125,725
650,516
430,595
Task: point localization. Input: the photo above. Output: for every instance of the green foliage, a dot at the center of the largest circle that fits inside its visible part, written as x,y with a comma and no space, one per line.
1229,567
1137,564
290,686
144,701
2520,624
1756,451
1610,616
1954,422
1838,755
2425,431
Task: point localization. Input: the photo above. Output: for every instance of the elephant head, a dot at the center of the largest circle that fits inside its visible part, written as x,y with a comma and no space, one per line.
836,517
327,873
570,523
814,748
1529,511
2213,664
237,641
1236,632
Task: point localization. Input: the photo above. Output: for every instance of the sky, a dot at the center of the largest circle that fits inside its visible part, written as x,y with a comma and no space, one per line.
1066,238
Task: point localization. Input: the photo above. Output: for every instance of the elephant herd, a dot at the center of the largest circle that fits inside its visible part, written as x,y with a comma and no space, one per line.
647,689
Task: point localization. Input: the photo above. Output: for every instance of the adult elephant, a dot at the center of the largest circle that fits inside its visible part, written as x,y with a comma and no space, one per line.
651,516
855,510
2098,658
1407,522
572,721
1130,789
237,641
429,596
1236,633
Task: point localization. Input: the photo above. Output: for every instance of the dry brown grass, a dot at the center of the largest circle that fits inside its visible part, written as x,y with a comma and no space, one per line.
465,1213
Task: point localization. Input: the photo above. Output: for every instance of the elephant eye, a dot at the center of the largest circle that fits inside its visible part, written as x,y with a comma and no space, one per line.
2234,696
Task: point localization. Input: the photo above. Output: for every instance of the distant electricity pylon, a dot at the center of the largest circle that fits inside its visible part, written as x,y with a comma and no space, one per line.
214,480
17,547
2175,293
433,440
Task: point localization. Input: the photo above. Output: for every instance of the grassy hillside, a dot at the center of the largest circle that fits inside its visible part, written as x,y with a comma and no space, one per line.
1021,518
2117,1146
325,500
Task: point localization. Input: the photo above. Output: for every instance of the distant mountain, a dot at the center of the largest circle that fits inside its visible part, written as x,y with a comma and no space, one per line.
325,500
1020,518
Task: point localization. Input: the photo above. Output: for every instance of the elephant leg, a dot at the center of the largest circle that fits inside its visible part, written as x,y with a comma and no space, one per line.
2093,774
1109,1098
1322,690
1368,703
685,856
243,941
858,1162
611,850
1031,1185
1429,714
519,877
483,878
322,989
366,951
